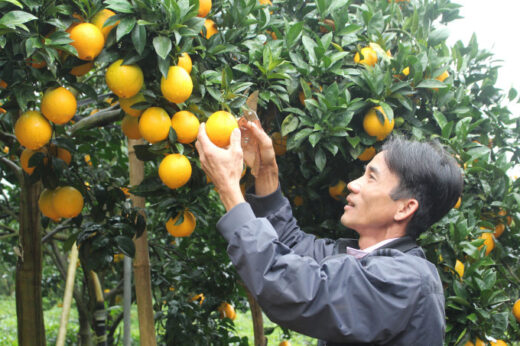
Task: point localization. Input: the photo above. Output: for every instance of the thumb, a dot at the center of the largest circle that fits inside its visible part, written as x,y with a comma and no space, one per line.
235,138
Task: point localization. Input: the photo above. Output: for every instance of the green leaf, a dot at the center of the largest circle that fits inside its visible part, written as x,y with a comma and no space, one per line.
126,245
139,38
438,36
31,44
162,45
320,159
244,68
440,118
122,6
388,111
294,32
14,2
431,84
125,26
309,45
16,18
289,124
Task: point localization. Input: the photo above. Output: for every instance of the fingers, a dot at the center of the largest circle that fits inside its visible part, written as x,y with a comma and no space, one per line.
235,139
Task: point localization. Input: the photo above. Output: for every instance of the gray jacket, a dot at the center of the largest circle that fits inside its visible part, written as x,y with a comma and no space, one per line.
307,284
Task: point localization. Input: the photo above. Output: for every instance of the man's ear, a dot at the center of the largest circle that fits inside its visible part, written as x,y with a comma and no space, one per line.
407,207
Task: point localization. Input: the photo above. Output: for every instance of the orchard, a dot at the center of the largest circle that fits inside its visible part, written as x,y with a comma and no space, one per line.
100,105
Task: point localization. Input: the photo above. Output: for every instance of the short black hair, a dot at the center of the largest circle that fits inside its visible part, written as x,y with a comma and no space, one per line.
427,173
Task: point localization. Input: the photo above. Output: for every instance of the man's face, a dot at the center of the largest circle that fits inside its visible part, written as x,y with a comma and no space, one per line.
370,206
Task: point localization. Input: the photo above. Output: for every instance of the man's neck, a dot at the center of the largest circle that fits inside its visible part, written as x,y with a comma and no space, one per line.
369,239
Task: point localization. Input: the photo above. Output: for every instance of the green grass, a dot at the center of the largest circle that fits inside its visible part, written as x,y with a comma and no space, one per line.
52,316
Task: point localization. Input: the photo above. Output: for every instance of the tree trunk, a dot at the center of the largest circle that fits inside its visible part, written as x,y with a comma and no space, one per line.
29,310
143,284
67,296
258,320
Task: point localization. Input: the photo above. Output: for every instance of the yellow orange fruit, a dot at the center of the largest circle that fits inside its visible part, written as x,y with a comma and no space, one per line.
88,160
200,297
279,143
3,84
489,242
338,191
24,160
227,310
498,343
46,205
183,229
175,170
374,127
130,127
82,69
127,103
406,71
442,77
459,202
265,2
177,86
59,105
99,21
185,62
186,126
88,40
367,154
67,201
154,124
459,268
60,153
124,80
219,127
479,342
499,229
32,130
298,201
204,8
516,310
211,28
368,56
118,257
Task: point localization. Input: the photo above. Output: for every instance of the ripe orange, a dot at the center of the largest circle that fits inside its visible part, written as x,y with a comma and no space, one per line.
59,105
126,104
265,2
498,343
199,297
185,62
516,310
204,8
177,86
88,40
183,229
124,80
45,203
82,69
442,77
374,127
459,202
479,342
99,20
32,130
369,56
211,28
406,71
60,153
459,268
3,84
367,154
499,229
219,127
154,124
24,160
279,143
88,160
227,310
298,201
67,201
36,63
338,191
285,343
130,127
489,242
186,125
175,170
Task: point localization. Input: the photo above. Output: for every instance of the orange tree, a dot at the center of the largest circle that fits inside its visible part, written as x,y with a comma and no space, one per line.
335,77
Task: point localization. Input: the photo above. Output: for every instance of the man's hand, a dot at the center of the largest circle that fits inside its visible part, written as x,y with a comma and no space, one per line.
223,166
262,160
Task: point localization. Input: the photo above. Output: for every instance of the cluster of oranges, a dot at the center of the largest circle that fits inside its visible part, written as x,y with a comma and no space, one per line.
63,202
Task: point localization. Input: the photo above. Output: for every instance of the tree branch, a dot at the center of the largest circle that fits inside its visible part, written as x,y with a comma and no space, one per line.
62,226
100,118
14,167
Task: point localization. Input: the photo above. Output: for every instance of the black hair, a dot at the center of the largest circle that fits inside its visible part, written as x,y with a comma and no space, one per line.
426,173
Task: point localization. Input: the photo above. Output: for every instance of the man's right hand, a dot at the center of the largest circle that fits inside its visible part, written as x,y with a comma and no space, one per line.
264,167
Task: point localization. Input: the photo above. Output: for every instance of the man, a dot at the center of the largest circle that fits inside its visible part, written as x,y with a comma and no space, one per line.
378,290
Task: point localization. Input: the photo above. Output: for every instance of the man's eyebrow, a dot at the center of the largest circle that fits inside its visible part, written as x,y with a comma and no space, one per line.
373,169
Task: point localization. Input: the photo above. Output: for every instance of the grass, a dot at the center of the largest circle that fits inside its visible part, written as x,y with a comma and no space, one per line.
52,316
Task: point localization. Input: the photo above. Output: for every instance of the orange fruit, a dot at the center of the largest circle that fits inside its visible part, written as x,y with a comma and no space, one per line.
479,342
60,153
499,229
265,2
219,127
82,69
67,201
200,297
498,343
459,202
329,24
298,201
118,257
442,77
177,86
406,71
183,229
285,343
204,8
279,143
36,63
186,125
24,160
130,127
124,80
459,268
185,62
175,170
516,310
32,130
154,124
489,242
3,84
367,154
338,191
374,127
368,56
227,310
127,103
88,40
88,160
46,205
59,105
99,21
211,28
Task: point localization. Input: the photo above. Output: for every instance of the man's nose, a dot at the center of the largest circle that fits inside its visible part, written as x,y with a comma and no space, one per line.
354,186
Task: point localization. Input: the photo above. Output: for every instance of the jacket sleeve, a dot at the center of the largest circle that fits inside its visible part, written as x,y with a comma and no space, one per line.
276,208
339,299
